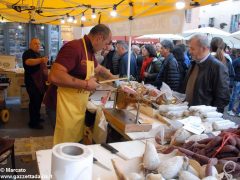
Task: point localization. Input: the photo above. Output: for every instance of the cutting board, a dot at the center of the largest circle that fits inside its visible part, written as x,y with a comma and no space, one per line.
125,121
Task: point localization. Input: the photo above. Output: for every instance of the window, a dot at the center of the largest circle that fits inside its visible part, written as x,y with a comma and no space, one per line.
2,35
188,15
235,23
211,22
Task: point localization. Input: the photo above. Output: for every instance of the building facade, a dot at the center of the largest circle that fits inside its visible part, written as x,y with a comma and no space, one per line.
224,15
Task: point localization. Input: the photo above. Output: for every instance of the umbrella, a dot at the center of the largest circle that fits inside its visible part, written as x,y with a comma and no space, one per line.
230,40
161,36
236,35
206,30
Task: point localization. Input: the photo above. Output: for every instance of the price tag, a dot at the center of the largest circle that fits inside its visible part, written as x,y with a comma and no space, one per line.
193,124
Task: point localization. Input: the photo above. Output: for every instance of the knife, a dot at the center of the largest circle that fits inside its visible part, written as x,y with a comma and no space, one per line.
114,151
111,80
95,161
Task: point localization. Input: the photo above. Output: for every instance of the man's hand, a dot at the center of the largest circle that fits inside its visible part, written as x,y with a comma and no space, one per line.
145,74
44,60
92,84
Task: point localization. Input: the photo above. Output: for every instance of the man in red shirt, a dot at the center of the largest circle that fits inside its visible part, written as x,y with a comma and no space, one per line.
73,74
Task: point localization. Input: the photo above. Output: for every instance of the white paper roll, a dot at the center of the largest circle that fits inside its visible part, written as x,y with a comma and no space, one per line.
71,161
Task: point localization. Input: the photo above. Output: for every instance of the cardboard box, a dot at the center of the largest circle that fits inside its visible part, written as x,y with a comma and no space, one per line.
7,62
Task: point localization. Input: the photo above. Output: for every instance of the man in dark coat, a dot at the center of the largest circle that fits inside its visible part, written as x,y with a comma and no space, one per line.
207,81
169,71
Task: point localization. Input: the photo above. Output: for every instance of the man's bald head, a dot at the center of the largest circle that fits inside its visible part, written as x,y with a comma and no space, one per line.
35,45
100,37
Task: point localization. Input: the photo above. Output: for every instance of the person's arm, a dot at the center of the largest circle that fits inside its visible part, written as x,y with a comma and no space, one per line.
156,68
104,72
34,62
60,77
221,91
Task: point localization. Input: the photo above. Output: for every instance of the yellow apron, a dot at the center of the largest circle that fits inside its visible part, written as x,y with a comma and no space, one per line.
71,108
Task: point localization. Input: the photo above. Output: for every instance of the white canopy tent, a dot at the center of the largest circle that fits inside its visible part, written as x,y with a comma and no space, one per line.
161,36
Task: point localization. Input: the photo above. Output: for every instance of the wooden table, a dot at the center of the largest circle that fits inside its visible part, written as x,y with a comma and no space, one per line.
130,148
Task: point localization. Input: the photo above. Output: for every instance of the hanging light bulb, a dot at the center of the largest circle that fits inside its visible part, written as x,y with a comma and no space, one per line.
42,27
74,20
93,14
19,26
113,13
180,4
69,19
62,21
83,18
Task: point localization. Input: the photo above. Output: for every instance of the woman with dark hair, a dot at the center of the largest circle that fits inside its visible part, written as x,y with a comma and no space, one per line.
178,53
151,64
217,49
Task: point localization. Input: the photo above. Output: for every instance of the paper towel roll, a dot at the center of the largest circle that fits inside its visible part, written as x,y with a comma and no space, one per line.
71,161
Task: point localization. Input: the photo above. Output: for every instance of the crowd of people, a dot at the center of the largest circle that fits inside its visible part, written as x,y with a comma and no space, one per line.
203,70
174,64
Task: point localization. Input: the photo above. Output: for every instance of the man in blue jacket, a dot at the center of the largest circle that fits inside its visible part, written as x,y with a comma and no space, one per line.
236,89
122,50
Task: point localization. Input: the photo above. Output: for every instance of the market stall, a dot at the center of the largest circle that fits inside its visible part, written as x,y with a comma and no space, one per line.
140,111
147,159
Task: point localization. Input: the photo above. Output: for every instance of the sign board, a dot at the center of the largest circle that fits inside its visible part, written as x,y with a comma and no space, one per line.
164,23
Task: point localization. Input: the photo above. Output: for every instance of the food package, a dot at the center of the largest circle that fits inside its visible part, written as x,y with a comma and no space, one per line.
202,108
212,119
166,108
175,114
221,125
196,137
164,135
171,167
180,136
211,114
208,127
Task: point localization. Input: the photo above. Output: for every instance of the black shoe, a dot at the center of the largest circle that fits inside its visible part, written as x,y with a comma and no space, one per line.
35,126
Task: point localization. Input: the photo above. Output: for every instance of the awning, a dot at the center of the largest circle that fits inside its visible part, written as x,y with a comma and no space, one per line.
53,11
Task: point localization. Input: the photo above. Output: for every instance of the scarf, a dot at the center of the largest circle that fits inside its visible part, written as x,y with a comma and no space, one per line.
146,63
